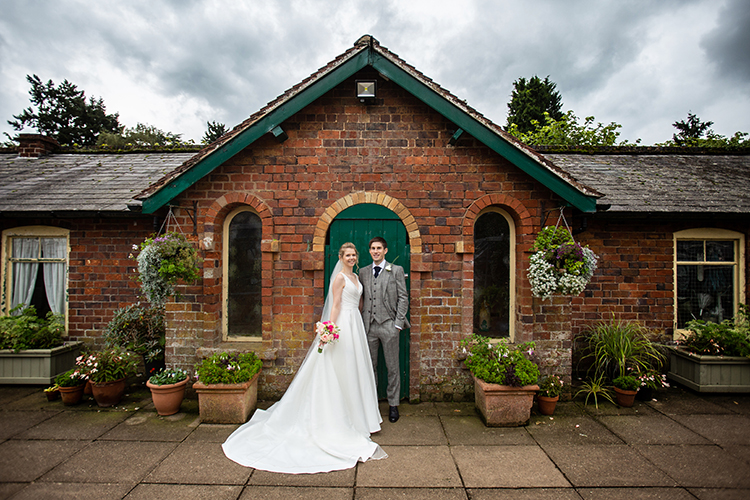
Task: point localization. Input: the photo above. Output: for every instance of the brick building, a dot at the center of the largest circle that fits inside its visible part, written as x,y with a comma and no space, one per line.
365,146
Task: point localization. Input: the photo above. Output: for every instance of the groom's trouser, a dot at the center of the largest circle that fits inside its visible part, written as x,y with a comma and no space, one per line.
387,335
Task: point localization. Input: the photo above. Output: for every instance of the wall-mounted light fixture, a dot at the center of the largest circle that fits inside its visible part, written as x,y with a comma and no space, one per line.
366,90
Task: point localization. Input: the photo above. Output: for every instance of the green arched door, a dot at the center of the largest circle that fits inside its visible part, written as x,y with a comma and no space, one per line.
359,224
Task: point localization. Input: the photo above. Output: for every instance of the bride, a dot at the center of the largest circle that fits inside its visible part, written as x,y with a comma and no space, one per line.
324,420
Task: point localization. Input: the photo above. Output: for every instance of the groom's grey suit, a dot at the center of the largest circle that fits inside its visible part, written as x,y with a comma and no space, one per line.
384,315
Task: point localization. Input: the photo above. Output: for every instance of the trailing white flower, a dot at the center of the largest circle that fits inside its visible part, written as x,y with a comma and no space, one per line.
547,280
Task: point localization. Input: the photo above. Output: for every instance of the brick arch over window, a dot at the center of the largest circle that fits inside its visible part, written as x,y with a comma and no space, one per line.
217,212
514,207
412,229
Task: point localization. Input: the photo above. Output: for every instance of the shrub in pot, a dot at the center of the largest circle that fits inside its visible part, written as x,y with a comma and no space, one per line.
108,371
626,386
168,390
227,386
549,393
71,384
140,329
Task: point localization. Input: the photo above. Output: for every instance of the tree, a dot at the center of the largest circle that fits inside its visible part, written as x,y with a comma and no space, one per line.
568,132
690,130
696,133
214,131
63,113
140,136
530,100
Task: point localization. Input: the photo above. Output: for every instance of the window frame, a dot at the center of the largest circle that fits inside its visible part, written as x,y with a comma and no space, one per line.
6,276
710,234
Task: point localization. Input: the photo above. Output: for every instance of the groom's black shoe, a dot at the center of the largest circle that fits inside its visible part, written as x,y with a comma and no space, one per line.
393,414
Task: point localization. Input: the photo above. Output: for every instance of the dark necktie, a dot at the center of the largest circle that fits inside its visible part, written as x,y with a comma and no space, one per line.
377,271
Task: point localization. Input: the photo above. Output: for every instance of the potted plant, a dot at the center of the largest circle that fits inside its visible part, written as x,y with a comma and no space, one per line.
559,265
595,387
52,392
108,371
227,387
140,329
713,357
32,350
650,381
70,385
626,387
549,393
504,379
168,390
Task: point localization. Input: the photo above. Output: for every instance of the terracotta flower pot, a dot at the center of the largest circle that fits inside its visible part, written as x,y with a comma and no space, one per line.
72,395
108,394
546,405
504,405
625,398
167,398
227,403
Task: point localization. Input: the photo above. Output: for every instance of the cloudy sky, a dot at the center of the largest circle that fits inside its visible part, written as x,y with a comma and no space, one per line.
178,64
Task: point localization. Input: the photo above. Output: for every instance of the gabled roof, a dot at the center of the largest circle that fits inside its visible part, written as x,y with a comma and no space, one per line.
79,183
664,183
368,52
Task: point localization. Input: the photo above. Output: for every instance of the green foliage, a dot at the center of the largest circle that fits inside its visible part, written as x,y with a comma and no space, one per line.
108,365
64,114
551,237
696,133
164,260
139,329
551,386
566,131
596,388
500,363
225,368
214,130
140,136
168,376
626,383
531,100
728,338
616,347
71,378
23,329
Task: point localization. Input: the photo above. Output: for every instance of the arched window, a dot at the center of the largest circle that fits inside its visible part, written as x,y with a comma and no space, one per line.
494,276
242,275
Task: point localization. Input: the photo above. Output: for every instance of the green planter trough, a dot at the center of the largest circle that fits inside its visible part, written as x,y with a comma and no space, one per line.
709,373
37,366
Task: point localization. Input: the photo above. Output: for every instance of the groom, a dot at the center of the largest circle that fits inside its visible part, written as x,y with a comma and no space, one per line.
385,303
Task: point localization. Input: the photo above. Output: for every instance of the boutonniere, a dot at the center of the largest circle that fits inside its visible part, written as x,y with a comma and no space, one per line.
388,267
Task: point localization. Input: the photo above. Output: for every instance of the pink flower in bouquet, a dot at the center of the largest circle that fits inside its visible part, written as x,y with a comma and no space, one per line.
327,332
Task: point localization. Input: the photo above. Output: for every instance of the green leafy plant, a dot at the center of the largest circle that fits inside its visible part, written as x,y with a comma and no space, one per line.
23,329
107,365
138,328
616,346
652,379
551,386
500,363
168,376
728,338
226,368
596,388
626,383
71,378
162,261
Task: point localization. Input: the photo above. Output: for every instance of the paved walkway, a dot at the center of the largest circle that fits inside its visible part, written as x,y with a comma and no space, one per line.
681,446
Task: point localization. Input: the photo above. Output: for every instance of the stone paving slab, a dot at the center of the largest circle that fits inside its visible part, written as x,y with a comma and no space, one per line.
184,492
607,466
403,469
216,433
724,430
410,494
631,493
573,430
199,462
338,478
149,426
110,462
677,401
289,492
524,494
411,431
25,461
507,467
655,429
720,494
471,431
699,466
74,491
15,422
85,426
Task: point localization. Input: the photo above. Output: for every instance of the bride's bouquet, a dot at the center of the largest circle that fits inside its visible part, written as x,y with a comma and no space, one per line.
328,333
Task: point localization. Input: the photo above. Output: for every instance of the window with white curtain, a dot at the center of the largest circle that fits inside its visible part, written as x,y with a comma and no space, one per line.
36,269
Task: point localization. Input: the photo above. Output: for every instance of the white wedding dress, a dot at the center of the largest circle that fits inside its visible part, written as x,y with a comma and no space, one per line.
324,420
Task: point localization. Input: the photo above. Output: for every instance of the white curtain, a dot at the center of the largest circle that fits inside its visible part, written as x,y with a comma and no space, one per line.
54,273
24,273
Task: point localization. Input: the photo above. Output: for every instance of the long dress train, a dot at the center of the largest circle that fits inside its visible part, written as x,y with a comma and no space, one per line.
324,420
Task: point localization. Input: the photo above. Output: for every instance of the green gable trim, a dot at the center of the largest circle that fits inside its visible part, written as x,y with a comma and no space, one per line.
367,211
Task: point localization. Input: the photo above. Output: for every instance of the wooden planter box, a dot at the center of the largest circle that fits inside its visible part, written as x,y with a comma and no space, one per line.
709,373
37,366
227,403
504,405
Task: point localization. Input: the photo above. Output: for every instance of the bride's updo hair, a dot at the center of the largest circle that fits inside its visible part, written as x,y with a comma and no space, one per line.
348,245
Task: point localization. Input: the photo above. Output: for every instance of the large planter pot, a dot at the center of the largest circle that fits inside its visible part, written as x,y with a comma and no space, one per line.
546,405
227,403
709,373
37,366
167,398
504,405
108,394
71,395
624,397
